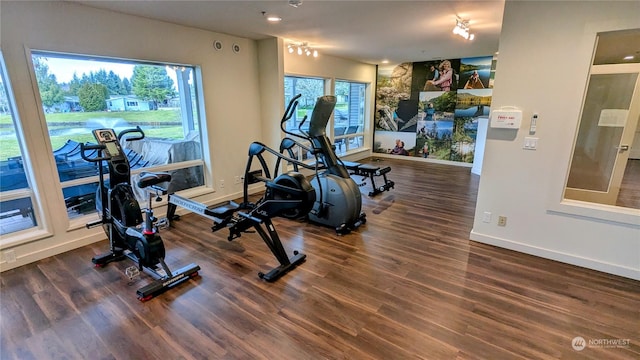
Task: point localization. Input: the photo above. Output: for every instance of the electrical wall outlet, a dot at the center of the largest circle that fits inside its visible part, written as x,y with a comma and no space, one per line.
237,179
9,256
221,184
502,221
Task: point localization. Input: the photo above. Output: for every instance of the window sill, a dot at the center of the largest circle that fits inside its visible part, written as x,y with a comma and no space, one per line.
23,237
81,221
616,214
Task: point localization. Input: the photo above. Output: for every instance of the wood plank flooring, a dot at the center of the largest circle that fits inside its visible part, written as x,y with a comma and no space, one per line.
629,195
408,285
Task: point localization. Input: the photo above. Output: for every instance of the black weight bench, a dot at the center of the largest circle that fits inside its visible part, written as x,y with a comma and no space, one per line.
371,172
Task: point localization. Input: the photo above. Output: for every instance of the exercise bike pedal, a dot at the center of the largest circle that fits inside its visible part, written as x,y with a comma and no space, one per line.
132,272
163,224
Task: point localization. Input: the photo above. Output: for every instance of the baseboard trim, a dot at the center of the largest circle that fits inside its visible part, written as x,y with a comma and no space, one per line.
24,259
592,264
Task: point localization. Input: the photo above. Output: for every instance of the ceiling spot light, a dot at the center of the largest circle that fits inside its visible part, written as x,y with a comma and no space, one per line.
271,18
629,57
462,28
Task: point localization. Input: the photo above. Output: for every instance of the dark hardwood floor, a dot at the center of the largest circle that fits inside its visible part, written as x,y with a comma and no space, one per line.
408,285
629,195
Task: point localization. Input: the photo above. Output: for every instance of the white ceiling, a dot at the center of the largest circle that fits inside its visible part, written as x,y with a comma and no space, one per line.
364,30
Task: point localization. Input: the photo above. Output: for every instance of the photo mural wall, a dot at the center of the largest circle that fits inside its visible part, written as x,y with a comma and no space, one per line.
430,109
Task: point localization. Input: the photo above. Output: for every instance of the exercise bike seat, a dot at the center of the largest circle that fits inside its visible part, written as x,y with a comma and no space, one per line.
149,179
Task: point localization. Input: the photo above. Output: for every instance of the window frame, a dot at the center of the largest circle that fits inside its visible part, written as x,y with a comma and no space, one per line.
358,136
195,110
299,152
330,88
28,191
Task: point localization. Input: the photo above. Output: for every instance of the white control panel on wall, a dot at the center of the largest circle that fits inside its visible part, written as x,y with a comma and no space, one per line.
506,118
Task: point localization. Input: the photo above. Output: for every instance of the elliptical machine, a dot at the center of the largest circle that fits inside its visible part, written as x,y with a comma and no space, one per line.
120,215
339,201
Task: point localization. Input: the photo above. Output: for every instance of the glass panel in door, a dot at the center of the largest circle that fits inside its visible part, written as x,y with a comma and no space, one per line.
598,147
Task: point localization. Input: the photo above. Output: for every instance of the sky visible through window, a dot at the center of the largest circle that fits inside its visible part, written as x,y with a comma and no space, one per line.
64,68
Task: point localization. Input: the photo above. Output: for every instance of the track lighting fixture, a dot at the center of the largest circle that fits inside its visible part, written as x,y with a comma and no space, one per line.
462,28
302,48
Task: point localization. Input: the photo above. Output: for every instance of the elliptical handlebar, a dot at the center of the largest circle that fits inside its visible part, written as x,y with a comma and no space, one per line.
134,138
291,108
293,103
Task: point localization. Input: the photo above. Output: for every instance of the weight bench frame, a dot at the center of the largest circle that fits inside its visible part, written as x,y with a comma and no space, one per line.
371,171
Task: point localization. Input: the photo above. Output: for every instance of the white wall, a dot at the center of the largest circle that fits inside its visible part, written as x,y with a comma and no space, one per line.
543,64
271,89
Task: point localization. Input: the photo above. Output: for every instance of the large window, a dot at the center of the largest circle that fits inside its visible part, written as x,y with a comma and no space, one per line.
348,117
16,198
310,89
81,93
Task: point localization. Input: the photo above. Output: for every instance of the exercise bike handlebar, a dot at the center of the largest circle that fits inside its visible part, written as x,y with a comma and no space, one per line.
134,138
100,147
85,147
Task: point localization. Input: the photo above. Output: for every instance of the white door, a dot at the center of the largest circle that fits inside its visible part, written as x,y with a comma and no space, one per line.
610,115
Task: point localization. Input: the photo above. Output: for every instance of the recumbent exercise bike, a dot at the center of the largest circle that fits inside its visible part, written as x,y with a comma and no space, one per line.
129,234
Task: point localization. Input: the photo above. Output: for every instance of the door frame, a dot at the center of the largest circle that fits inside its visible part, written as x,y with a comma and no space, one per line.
609,197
